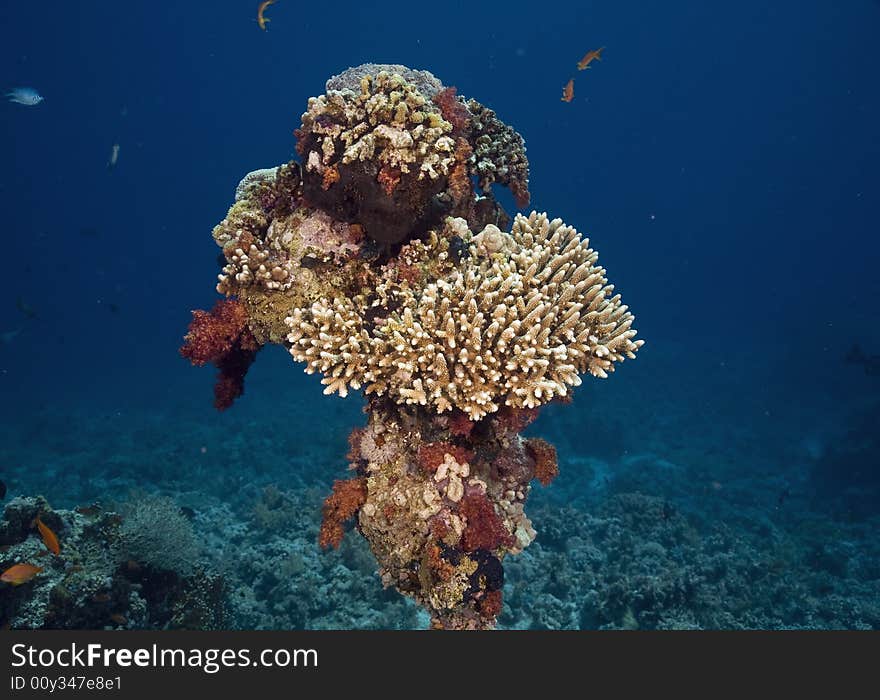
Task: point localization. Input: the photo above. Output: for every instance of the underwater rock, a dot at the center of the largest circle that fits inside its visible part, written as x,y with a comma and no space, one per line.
98,580
377,265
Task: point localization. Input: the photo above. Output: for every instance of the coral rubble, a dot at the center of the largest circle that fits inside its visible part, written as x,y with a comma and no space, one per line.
376,263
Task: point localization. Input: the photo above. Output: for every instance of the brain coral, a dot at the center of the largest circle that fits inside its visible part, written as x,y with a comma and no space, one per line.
514,324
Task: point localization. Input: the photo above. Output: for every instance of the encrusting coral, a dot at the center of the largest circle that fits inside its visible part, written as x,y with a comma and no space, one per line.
499,153
377,264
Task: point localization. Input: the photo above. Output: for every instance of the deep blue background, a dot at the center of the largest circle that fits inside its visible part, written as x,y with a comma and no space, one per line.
723,158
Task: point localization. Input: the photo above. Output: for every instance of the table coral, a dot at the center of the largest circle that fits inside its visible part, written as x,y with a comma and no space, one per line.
513,329
376,264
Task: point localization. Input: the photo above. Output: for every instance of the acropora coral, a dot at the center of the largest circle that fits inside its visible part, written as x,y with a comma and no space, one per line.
378,264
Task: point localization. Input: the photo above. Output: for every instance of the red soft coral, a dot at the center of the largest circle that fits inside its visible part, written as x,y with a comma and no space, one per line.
460,425
515,420
490,604
546,463
221,336
213,333
453,109
233,367
431,455
484,529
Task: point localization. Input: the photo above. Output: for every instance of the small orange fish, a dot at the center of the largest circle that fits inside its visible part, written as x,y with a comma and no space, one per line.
595,55
118,618
261,8
18,574
568,91
50,539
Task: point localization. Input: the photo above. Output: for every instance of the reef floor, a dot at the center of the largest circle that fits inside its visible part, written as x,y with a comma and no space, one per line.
678,505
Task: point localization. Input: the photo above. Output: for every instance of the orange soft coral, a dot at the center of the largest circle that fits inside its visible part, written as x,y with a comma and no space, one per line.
438,566
490,604
347,498
331,177
546,464
389,178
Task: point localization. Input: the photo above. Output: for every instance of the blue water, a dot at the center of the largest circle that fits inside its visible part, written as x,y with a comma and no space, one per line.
723,158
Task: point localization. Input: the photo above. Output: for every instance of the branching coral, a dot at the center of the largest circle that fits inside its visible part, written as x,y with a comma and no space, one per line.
377,265
389,122
514,324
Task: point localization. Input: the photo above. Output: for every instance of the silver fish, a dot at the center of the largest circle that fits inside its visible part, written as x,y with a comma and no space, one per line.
114,157
24,96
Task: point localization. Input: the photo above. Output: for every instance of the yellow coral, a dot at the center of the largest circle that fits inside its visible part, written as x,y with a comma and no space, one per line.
390,122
